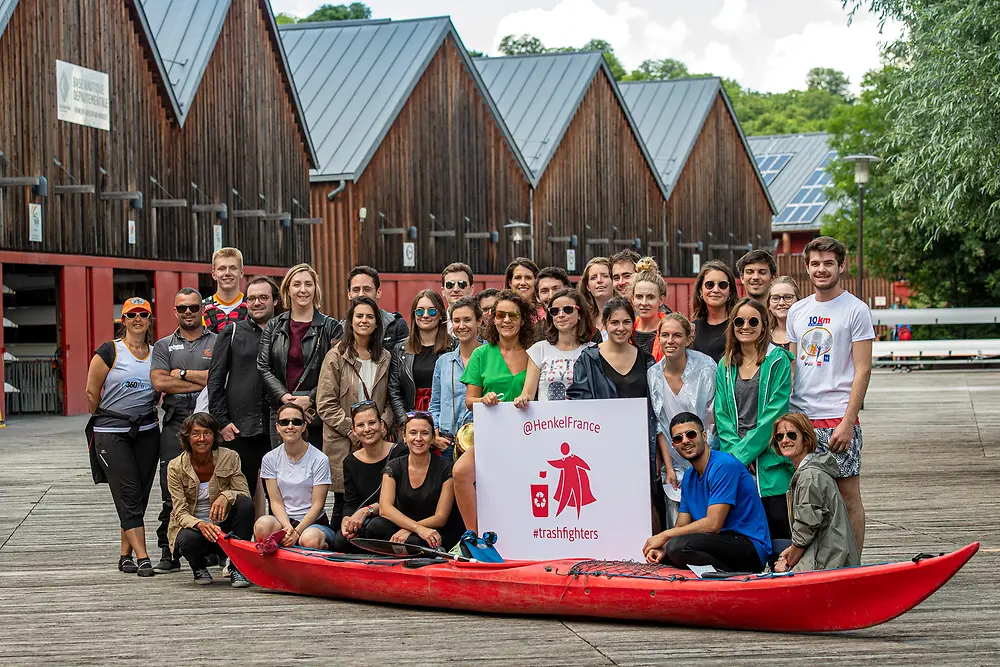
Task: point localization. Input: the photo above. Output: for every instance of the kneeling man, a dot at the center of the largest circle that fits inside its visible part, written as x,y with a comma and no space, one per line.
721,521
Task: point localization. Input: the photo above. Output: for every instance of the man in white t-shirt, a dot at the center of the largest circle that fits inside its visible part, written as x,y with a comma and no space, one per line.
831,336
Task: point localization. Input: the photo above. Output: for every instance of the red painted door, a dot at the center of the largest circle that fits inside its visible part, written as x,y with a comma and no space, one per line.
74,338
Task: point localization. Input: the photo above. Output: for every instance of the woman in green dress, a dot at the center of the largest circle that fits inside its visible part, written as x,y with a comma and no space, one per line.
495,374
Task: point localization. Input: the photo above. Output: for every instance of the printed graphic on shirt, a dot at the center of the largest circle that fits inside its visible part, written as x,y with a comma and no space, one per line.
816,343
558,375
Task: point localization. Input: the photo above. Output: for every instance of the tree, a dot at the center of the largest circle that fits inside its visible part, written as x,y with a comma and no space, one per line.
944,128
615,65
284,19
353,11
654,70
521,45
831,80
476,54
953,267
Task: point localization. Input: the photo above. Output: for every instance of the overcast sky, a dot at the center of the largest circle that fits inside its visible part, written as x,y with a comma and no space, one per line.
768,45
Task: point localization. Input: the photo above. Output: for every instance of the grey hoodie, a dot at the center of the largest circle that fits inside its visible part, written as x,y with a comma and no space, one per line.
819,516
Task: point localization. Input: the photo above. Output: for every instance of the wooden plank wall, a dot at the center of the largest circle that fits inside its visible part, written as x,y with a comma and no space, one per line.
241,134
444,155
598,185
718,192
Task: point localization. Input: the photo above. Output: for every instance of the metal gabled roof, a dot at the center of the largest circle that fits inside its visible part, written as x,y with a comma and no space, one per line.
807,151
671,114
354,77
185,33
6,9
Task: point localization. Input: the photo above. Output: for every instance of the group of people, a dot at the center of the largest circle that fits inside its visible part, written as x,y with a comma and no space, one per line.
268,413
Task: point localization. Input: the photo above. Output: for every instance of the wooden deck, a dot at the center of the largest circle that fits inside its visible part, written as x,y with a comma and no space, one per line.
931,480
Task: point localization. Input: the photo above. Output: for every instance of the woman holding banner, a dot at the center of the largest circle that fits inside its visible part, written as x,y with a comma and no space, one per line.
683,381
495,373
617,369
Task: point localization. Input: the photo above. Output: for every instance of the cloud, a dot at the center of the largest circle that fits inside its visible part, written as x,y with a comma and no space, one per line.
734,19
852,49
629,29
717,59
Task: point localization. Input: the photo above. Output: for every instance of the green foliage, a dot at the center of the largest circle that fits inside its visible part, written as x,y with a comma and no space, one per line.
353,11
650,70
783,113
284,19
945,129
831,80
476,54
521,45
944,267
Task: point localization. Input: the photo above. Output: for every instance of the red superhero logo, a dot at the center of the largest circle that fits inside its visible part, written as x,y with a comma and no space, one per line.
573,489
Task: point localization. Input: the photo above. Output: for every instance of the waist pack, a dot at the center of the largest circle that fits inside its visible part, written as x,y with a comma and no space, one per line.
480,548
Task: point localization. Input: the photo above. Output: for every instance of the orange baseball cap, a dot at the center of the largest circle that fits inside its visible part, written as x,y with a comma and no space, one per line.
136,303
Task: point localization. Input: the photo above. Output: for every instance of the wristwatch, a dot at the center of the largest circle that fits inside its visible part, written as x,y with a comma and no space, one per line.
370,509
183,373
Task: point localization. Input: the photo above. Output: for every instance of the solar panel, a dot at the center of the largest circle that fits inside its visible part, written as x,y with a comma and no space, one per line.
809,201
771,165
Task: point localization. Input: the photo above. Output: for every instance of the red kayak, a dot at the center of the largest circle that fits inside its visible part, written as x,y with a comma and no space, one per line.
844,599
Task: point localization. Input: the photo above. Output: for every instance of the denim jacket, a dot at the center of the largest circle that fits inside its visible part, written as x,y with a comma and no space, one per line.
448,393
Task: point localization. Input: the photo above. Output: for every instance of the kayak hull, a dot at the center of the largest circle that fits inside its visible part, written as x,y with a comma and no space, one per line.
832,600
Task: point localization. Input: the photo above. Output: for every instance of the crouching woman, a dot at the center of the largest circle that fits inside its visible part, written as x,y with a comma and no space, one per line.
210,497
822,538
418,493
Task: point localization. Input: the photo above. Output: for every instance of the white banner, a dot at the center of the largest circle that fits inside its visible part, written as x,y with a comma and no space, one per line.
564,479
82,96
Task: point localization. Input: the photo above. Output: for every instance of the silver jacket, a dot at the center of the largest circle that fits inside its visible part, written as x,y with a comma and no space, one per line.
697,396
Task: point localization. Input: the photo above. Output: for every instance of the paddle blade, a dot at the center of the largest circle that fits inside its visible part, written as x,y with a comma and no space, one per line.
401,550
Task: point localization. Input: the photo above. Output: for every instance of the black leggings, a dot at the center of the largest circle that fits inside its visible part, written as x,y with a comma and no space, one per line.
130,466
727,551
191,544
251,450
381,528
776,510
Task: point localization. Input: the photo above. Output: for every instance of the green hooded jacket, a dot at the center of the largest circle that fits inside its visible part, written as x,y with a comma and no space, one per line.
773,470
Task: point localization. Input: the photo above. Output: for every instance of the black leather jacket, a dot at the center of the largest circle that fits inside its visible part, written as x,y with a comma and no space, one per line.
590,381
236,394
273,354
402,387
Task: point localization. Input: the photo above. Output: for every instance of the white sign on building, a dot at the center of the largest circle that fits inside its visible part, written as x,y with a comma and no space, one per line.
409,254
35,223
83,96
564,479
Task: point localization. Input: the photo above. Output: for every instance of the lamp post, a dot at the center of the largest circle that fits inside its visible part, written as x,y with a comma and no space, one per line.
861,163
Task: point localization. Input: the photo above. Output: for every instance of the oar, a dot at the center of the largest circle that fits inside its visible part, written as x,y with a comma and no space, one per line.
400,549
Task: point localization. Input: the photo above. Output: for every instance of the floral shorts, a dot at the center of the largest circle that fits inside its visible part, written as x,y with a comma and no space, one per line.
848,460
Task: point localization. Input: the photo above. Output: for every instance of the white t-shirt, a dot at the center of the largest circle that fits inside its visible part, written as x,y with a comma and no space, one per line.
202,508
824,365
367,373
296,479
556,368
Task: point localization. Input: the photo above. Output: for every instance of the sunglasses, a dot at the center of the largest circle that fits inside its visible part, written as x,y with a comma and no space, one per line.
566,310
134,314
711,284
507,315
778,298
423,414
739,322
462,284
431,312
791,435
188,309
291,421
678,438
362,404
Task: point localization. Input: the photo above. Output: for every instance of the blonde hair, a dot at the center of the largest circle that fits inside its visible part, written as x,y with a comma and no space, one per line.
647,271
228,252
286,286
786,280
675,317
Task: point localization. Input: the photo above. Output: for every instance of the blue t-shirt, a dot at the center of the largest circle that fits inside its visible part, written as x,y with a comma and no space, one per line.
727,482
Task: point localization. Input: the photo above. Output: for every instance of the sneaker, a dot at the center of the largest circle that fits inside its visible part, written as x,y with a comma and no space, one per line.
202,576
127,565
144,568
167,564
236,578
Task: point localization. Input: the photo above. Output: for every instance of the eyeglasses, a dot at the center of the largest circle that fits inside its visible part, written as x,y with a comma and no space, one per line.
507,315
188,309
678,438
739,322
291,421
367,289
791,435
431,312
711,284
487,309
778,298
254,299
134,314
566,310
462,284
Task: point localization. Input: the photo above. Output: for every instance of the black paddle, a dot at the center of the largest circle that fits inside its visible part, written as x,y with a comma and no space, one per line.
398,549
